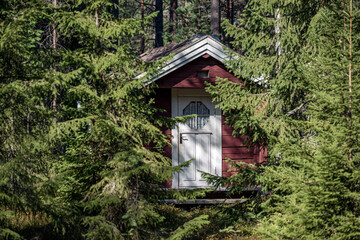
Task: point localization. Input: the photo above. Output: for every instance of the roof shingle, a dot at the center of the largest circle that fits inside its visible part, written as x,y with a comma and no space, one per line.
160,52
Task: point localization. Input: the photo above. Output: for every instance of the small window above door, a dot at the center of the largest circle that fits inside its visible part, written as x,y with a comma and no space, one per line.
202,74
203,114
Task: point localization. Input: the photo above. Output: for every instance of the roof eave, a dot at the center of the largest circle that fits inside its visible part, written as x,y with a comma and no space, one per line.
205,45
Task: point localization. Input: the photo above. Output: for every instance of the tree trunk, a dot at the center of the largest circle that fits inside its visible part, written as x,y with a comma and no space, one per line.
199,15
115,12
230,11
350,78
54,35
159,23
186,20
172,15
142,40
115,9
54,43
96,18
215,17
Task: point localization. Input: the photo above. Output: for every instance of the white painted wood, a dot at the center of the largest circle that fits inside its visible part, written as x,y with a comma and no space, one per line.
187,151
203,145
175,137
199,47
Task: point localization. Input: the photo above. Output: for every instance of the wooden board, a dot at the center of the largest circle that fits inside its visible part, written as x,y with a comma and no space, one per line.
204,201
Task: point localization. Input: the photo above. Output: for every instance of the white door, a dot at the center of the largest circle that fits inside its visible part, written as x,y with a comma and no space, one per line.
198,139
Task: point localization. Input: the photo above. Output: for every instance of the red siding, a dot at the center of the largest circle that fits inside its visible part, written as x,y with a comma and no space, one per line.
185,77
235,149
163,101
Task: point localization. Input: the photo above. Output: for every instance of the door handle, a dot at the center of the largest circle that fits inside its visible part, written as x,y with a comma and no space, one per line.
181,138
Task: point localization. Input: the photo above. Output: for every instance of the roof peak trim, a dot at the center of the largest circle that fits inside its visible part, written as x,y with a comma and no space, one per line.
203,45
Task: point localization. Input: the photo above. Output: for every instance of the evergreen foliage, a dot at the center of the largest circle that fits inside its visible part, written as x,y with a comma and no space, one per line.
81,154
190,227
319,171
25,118
82,145
302,56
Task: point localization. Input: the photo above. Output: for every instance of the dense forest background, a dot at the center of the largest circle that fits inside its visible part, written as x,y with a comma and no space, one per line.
81,151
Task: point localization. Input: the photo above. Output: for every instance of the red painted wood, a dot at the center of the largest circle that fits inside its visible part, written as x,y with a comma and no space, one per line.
185,77
226,130
163,101
235,156
234,150
262,155
230,141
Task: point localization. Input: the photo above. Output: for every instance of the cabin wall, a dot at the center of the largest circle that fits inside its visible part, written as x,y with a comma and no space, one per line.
162,98
234,148
163,101
185,77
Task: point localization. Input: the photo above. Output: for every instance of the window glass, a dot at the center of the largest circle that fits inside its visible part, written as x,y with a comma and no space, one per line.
203,114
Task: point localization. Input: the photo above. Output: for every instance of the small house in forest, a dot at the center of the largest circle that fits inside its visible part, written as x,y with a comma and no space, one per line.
205,138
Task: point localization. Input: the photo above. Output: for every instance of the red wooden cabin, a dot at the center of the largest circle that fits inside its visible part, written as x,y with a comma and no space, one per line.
181,92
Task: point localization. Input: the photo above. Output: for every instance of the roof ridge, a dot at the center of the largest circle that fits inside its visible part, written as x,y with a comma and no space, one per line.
159,52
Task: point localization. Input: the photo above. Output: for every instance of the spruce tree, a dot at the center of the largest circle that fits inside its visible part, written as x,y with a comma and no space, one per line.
82,145
319,171
303,58
111,165
25,116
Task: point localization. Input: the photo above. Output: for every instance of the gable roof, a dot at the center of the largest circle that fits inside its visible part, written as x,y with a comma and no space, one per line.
186,52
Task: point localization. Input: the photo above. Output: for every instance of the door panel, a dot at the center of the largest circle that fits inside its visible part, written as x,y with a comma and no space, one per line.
188,152
197,147
203,154
196,140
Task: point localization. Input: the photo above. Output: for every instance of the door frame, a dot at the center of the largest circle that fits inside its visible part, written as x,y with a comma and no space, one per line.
216,149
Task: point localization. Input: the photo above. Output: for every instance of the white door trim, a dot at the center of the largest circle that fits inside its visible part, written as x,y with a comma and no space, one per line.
216,156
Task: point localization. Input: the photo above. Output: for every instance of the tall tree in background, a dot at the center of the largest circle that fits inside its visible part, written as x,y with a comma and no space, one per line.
142,40
172,15
159,24
230,11
319,170
215,17
25,114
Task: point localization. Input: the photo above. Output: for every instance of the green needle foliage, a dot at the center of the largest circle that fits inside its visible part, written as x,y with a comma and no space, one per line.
304,108
319,171
25,117
81,153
